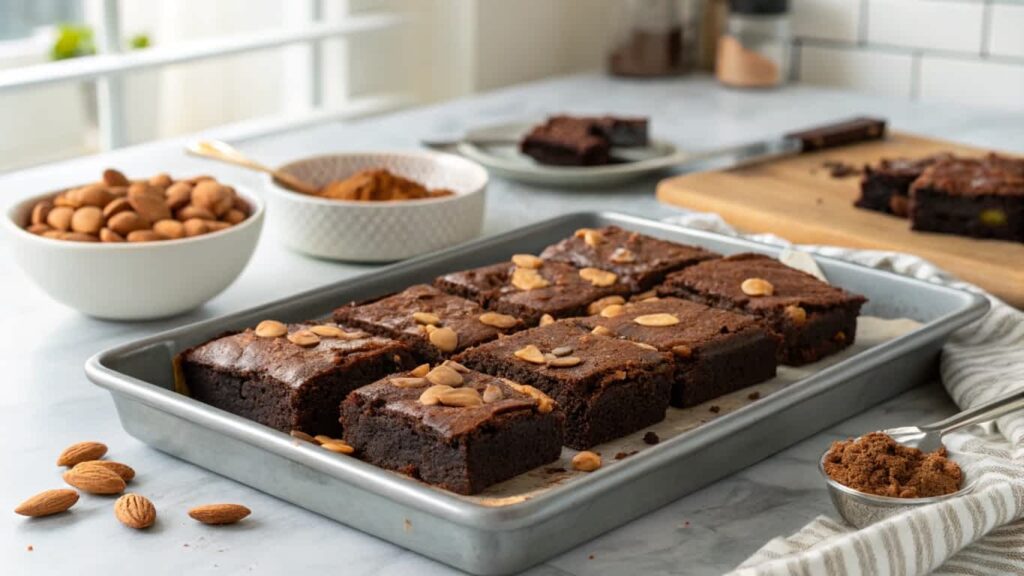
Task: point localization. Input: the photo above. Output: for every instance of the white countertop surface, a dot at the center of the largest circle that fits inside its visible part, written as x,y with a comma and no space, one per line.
47,402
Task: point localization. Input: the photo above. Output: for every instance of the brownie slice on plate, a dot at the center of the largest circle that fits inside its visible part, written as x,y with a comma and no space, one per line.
528,287
607,387
885,186
715,351
289,380
979,197
463,436
640,261
434,324
813,318
566,141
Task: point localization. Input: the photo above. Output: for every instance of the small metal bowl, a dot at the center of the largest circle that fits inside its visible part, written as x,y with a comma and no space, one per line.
861,509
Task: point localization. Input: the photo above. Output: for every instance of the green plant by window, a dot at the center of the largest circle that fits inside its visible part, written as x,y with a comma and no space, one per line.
73,41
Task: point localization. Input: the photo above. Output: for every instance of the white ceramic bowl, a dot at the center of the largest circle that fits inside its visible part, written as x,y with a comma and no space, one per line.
379,231
134,281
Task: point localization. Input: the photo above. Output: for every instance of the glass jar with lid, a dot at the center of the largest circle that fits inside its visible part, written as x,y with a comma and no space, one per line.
754,50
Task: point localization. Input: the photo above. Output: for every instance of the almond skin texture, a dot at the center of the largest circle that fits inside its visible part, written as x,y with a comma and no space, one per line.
47,503
95,480
219,514
81,452
123,470
135,511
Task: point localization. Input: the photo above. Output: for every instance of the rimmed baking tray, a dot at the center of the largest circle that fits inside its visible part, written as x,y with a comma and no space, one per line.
519,523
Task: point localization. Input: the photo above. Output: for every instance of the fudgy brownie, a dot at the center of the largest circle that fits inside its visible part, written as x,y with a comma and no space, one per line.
885,186
640,261
813,318
462,438
434,324
287,385
621,131
981,197
715,351
533,288
566,141
607,387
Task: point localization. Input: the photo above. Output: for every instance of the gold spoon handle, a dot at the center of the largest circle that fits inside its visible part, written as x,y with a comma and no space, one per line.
218,150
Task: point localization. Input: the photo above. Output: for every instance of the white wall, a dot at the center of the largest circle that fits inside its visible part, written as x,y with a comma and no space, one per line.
962,51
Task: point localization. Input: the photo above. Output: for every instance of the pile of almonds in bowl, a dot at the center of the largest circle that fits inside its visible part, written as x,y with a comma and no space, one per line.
117,209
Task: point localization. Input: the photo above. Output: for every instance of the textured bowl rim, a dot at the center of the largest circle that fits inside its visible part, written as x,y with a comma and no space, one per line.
481,173
888,501
254,200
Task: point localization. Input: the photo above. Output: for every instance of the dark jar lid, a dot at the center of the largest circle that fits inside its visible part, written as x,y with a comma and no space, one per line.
759,7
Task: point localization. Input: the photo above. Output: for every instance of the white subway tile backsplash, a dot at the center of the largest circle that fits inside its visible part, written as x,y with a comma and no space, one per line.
926,24
826,19
972,82
1007,30
858,69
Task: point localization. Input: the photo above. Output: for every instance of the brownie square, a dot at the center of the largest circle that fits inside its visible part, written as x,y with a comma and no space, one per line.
715,351
402,317
566,141
622,131
607,387
640,261
885,187
813,318
982,198
498,433
284,385
528,293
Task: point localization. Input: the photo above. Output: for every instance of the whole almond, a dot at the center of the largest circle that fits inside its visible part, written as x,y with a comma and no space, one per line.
48,502
135,511
116,206
94,195
498,320
124,223
241,205
108,235
113,177
215,226
126,472
60,218
195,227
161,180
81,452
192,211
586,461
39,228
78,237
170,228
95,480
212,195
149,205
40,211
757,287
87,220
144,236
218,514
178,195
234,216
598,277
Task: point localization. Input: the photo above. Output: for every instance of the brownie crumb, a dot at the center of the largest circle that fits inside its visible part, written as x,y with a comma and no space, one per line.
755,395
30,548
715,409
838,169
624,455
651,438
555,470
591,557
877,464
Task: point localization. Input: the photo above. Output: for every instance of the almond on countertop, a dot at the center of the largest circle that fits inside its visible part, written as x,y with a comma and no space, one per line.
95,480
48,503
219,514
135,511
81,452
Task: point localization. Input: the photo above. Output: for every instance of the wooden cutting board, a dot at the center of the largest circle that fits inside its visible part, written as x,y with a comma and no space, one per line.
798,199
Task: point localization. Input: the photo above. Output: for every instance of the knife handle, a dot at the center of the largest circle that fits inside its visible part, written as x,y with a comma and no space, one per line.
860,129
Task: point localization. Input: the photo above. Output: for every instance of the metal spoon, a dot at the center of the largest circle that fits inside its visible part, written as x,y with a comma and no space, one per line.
217,150
928,437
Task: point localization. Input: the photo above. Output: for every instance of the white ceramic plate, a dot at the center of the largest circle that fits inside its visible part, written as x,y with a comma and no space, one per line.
506,161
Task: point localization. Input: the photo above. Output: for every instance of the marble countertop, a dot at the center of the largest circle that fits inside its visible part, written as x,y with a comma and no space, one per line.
48,403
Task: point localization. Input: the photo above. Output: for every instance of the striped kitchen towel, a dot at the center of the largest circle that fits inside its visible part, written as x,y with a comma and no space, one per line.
979,533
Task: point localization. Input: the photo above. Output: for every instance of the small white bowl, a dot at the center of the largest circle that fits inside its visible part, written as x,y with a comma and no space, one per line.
134,281
379,231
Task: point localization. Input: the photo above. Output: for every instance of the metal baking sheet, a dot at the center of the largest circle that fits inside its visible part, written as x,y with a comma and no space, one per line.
538,515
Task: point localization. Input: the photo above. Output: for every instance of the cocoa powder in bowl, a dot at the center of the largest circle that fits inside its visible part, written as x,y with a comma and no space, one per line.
877,464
